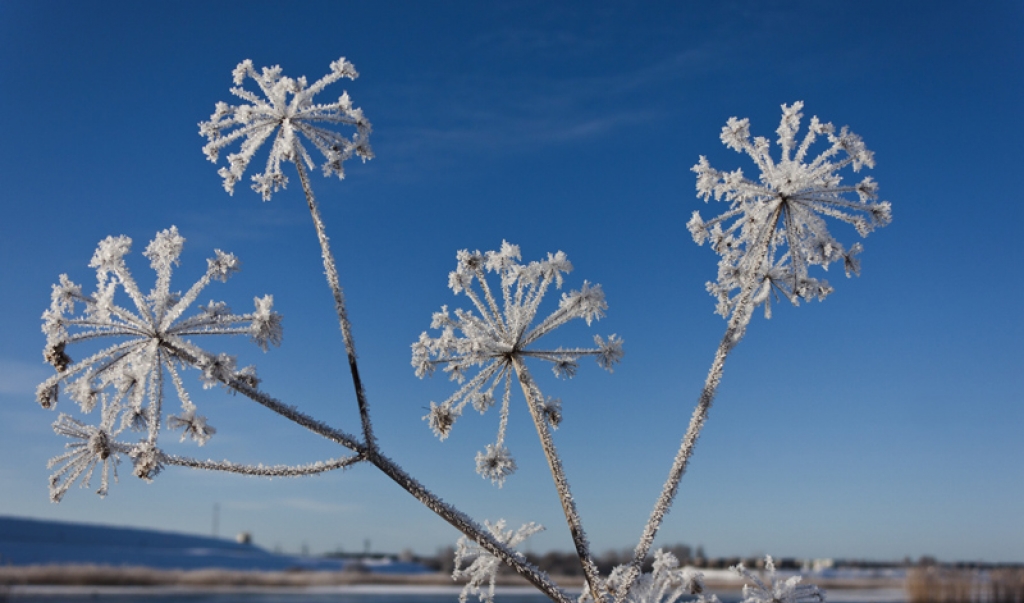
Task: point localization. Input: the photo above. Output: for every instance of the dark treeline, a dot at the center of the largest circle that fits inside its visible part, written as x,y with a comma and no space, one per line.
564,563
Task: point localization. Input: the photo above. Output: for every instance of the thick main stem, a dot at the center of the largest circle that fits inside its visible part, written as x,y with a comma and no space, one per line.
572,516
459,520
333,280
463,523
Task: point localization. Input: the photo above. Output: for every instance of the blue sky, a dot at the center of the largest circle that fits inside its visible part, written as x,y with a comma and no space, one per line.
880,423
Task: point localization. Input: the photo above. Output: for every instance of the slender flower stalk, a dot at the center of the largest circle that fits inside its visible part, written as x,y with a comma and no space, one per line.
534,401
287,112
771,234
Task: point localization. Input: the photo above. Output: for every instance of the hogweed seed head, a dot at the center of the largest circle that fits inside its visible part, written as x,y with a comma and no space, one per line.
775,229
287,112
151,342
502,330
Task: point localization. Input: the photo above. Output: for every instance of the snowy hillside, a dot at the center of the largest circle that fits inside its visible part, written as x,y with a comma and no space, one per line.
35,542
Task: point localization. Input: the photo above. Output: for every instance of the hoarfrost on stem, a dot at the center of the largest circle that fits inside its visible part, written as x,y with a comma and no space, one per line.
286,108
774,229
152,344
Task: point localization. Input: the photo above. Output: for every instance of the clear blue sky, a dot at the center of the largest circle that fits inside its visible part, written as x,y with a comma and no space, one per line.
883,422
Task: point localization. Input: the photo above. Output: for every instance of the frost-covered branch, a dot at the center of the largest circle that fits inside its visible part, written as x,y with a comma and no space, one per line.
463,523
331,272
534,401
263,470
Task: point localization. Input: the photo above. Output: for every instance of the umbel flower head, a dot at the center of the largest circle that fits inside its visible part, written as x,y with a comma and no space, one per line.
128,378
775,229
502,333
286,110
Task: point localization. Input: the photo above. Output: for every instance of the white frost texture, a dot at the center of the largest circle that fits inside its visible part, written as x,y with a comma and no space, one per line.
287,109
775,591
152,345
774,229
500,335
483,566
666,583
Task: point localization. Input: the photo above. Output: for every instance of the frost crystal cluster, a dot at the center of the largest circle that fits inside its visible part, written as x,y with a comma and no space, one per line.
775,591
774,229
287,109
152,345
666,583
483,566
499,335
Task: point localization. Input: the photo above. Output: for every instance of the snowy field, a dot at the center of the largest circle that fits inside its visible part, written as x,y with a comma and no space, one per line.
25,542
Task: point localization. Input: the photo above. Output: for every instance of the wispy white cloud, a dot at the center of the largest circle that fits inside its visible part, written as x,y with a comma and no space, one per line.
516,112
294,503
19,377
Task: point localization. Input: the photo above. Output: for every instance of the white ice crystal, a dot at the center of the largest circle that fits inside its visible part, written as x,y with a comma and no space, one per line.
152,343
495,463
483,566
666,583
777,227
90,446
501,333
776,591
286,108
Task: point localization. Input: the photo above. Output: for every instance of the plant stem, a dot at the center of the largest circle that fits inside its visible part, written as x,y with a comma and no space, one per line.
459,520
463,523
331,272
572,516
733,333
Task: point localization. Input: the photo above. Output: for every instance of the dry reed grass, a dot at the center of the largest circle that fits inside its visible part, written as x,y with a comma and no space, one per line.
937,584
104,575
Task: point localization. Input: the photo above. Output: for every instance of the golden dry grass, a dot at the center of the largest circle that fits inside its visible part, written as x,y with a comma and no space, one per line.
937,584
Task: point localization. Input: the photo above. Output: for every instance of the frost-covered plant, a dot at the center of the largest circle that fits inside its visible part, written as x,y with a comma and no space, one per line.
772,233
285,111
256,121
498,338
151,343
483,566
774,229
665,583
776,591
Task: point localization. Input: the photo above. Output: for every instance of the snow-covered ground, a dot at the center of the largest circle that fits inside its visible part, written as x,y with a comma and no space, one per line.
35,542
